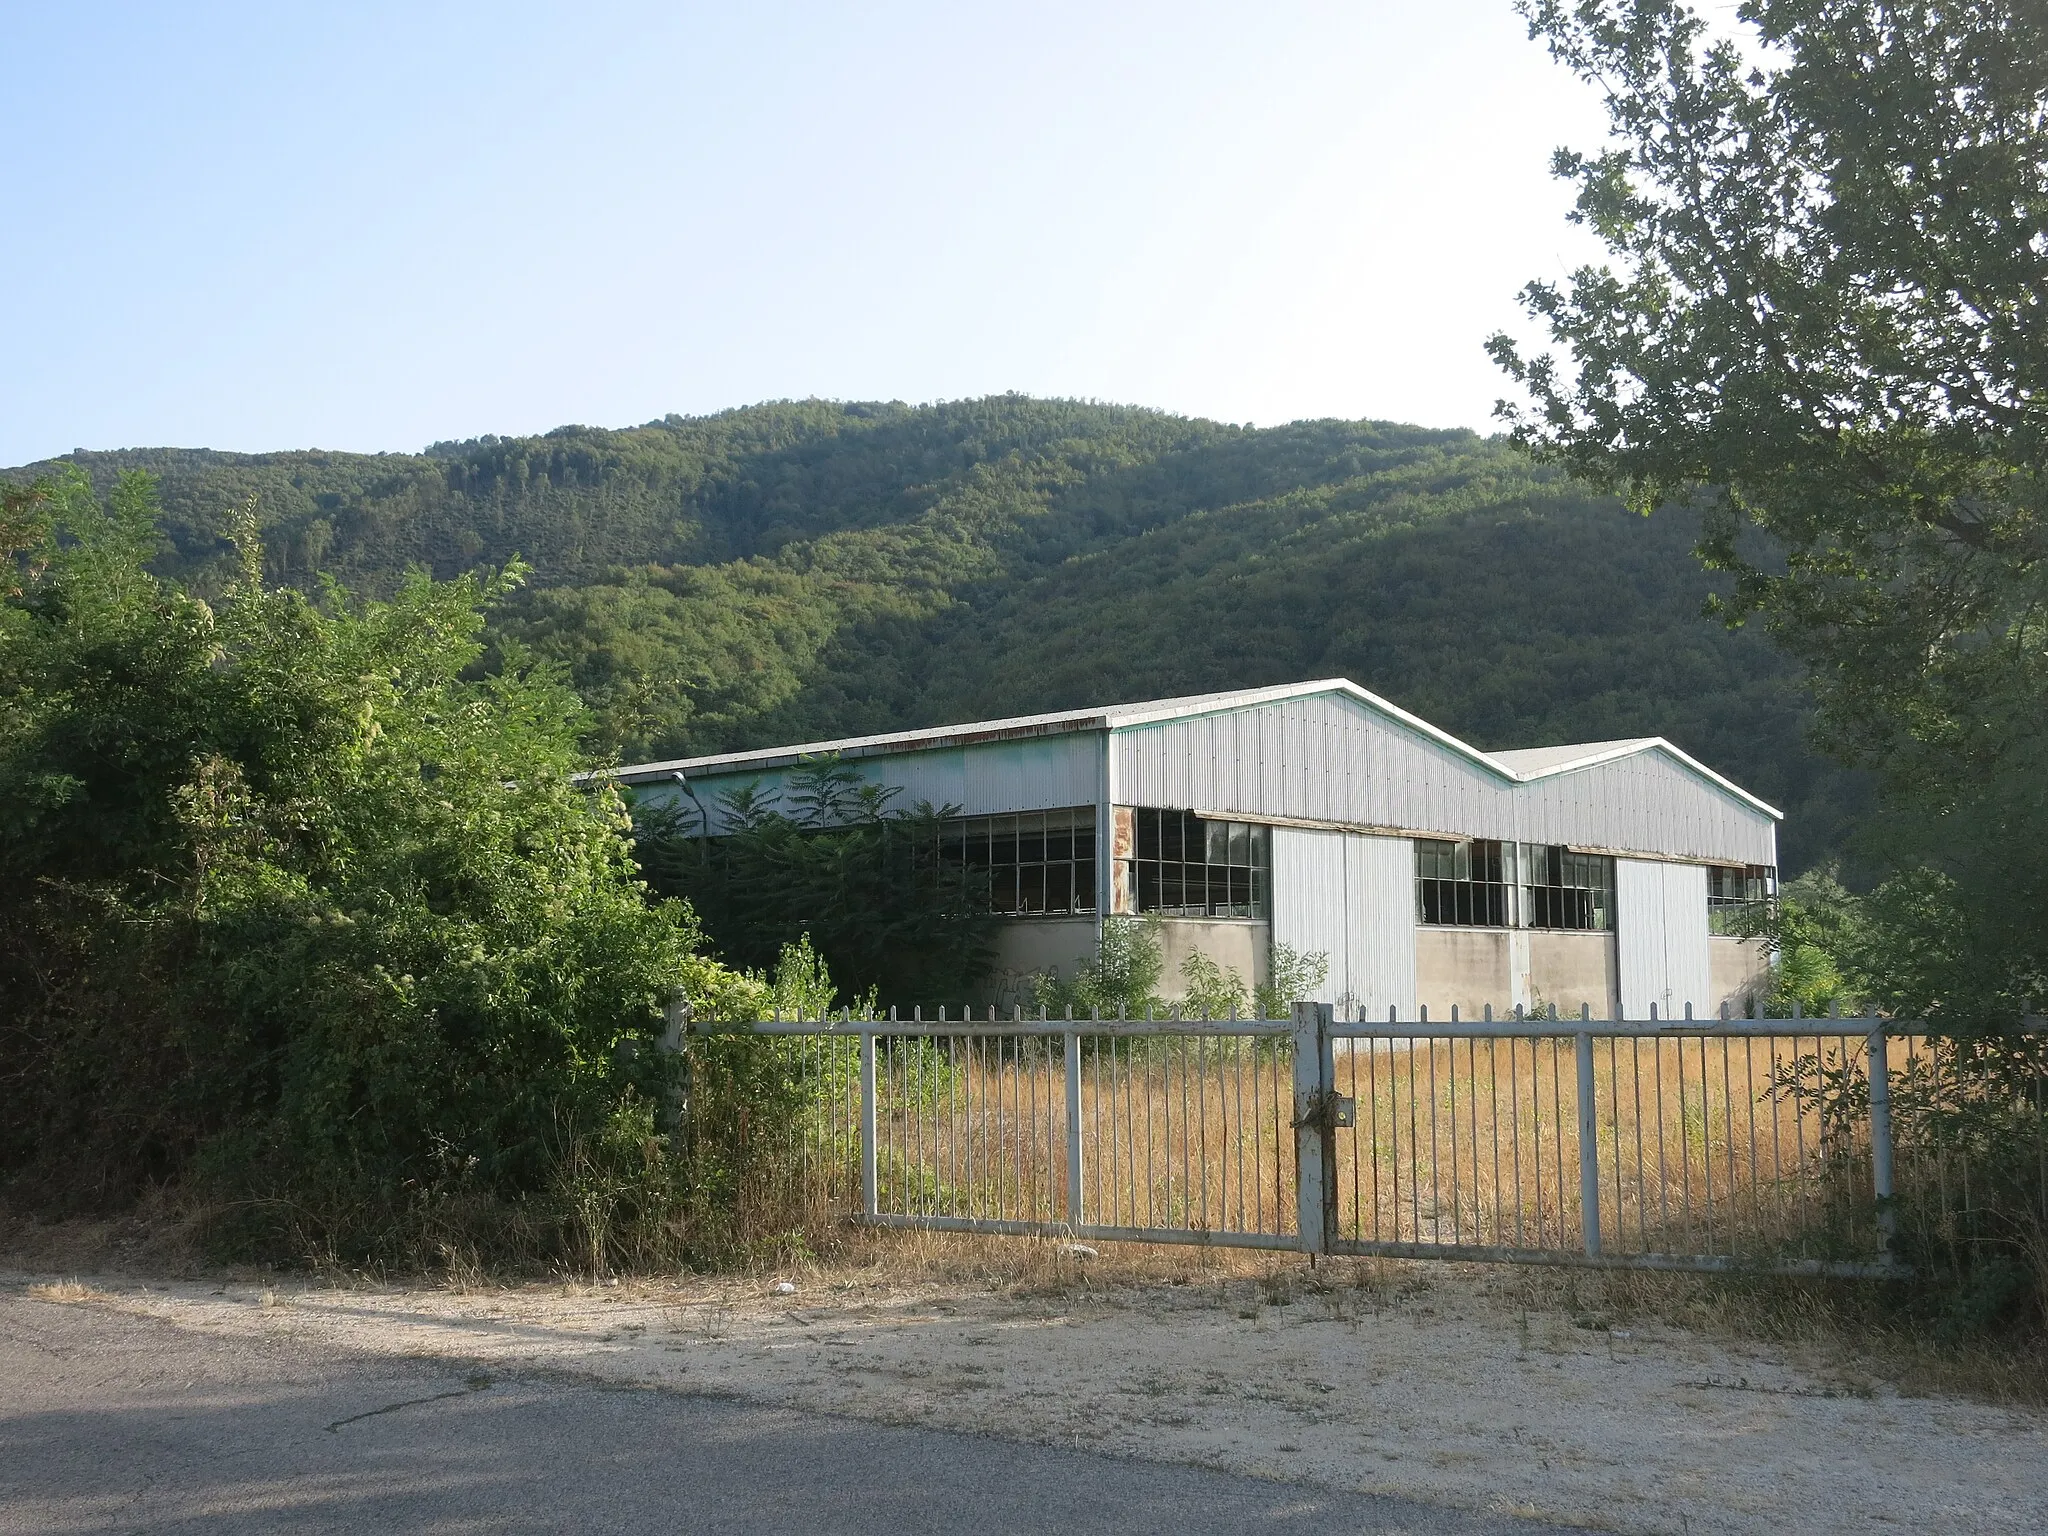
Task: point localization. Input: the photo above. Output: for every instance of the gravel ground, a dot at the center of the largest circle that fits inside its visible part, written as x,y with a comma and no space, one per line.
1441,1394
117,1423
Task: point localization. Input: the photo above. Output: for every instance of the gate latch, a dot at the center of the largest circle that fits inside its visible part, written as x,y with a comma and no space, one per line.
1338,1111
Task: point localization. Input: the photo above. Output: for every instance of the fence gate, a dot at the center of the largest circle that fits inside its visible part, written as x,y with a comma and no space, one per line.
1681,1144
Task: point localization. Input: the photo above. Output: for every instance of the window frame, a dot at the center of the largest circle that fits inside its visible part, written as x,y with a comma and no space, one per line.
1019,853
1490,883
1445,882
1577,885
1741,916
1192,866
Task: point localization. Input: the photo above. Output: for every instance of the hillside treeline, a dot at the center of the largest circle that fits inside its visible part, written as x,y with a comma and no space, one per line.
806,570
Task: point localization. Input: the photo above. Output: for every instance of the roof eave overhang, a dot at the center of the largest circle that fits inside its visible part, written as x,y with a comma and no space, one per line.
879,746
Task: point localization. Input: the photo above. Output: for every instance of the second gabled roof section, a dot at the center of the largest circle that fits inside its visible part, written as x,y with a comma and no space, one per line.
1521,766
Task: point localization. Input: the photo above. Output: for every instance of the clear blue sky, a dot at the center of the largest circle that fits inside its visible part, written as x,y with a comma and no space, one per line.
373,226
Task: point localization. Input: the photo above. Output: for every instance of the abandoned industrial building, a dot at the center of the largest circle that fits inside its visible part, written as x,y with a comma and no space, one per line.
1615,875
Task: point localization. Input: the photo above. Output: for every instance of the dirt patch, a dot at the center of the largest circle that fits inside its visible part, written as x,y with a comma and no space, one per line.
1430,1385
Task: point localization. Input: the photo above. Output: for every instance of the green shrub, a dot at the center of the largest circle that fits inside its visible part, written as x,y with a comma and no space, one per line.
1291,975
1122,981
297,913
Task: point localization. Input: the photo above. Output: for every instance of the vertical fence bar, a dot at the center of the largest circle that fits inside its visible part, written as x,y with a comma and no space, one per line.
1881,1142
1589,1148
869,1184
1326,1069
1075,1208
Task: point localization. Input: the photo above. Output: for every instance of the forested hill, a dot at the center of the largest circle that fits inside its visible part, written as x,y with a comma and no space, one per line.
799,571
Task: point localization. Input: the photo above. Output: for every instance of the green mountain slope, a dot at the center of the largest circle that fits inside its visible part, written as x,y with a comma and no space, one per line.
799,571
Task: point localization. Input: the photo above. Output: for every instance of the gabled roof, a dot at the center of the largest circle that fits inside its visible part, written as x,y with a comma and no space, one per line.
1523,766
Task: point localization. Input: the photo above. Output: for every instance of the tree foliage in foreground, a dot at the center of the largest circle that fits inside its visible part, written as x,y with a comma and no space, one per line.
1826,319
293,909
858,877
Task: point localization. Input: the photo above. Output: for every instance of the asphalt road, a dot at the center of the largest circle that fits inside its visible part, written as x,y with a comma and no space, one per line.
112,1423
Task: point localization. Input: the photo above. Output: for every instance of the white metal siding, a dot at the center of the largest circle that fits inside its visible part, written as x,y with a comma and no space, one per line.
1352,898
1329,758
1661,937
1379,887
1650,803
1308,901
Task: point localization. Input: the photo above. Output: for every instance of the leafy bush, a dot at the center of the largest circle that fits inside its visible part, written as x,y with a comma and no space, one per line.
1214,991
1123,979
1209,990
1121,982
300,915
1291,975
1970,1120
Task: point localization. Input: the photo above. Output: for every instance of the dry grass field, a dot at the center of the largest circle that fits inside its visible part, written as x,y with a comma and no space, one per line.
1714,1147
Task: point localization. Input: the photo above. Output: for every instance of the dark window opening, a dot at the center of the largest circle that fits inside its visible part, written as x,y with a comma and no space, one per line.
1036,863
1562,889
1187,866
1463,884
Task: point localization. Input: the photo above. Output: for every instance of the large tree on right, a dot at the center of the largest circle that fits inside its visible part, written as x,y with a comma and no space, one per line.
1825,320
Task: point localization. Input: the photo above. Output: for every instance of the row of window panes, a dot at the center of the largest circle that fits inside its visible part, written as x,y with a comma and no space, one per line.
1043,862
1463,884
1485,883
1738,896
1189,866
1563,889
1035,862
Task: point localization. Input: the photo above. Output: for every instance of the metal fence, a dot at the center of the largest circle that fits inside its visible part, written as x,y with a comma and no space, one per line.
1679,1144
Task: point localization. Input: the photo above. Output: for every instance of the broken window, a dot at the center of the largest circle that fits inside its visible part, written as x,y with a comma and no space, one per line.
1188,866
1563,889
1036,863
1739,897
1464,884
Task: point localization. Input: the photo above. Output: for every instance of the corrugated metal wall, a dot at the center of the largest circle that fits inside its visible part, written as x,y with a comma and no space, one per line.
1379,885
1331,758
1308,901
1661,937
1351,897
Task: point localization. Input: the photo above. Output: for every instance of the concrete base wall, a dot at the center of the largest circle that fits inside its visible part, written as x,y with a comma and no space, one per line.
1739,972
1469,967
1026,947
1477,968
1466,967
1235,945
1568,971
1029,945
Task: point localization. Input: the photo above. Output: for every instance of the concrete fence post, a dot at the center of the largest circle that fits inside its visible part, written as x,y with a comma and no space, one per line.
676,1088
